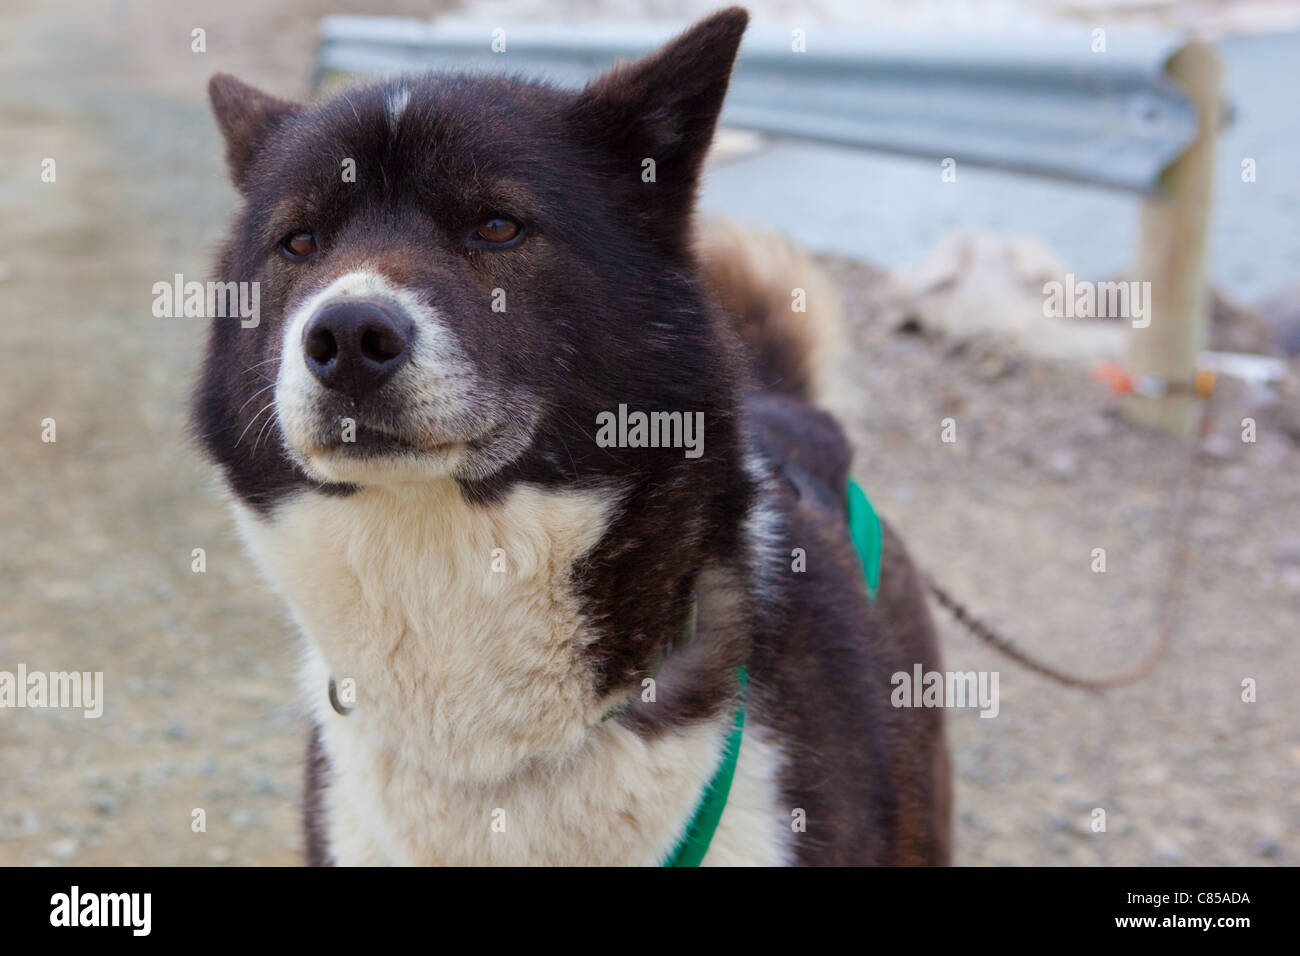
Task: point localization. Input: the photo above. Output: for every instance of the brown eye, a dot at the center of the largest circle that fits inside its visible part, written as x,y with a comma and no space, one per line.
298,245
498,229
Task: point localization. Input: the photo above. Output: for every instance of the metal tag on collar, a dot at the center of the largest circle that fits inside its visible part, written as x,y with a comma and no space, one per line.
339,707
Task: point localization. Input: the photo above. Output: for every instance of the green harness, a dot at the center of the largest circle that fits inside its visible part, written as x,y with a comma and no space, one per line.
868,541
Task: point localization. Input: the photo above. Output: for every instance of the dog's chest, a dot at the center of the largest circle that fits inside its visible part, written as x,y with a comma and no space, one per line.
475,735
456,626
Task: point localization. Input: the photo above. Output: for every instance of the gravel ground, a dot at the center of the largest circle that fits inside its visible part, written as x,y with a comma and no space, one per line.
98,528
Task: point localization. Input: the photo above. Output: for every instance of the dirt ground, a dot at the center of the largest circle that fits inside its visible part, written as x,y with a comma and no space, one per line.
98,527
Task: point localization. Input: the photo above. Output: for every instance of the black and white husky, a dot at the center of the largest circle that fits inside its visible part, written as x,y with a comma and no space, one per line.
528,642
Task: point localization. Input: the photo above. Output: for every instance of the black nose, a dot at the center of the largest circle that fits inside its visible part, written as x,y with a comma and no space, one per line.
354,347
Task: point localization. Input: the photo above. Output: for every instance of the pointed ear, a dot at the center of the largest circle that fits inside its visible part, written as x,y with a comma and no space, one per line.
245,116
665,105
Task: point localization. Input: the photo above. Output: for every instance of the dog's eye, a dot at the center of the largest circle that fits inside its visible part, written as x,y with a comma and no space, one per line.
498,229
298,245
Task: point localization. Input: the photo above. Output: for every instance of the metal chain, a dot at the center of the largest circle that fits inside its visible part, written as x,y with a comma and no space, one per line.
1180,558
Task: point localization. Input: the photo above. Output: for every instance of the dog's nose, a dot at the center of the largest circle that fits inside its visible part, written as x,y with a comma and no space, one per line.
354,347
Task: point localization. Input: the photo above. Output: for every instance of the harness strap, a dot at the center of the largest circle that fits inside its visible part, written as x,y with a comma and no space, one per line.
868,540
695,843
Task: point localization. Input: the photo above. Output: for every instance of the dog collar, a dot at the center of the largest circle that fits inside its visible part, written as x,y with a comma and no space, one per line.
692,622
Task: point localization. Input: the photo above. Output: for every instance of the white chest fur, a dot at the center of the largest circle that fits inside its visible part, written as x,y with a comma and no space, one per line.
476,735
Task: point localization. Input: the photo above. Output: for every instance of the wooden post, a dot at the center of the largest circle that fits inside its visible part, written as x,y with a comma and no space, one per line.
1173,234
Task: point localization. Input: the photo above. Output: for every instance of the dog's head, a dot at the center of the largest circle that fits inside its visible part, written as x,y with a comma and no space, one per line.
456,273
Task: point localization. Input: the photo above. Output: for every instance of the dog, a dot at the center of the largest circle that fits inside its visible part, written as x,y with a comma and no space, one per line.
536,634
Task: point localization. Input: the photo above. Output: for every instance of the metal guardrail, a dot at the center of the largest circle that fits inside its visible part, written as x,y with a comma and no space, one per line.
1045,105
1141,116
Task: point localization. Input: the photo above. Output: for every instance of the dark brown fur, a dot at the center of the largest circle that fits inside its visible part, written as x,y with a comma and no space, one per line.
608,305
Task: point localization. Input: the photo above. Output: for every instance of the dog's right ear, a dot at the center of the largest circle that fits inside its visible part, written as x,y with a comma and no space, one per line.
245,116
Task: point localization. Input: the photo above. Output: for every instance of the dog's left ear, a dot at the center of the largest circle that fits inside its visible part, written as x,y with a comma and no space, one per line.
663,107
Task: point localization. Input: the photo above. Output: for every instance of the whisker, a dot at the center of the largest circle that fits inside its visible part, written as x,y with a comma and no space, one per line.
257,365
250,424
253,396
586,434
269,418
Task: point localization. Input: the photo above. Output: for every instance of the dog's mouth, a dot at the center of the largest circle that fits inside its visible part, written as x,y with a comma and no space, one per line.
396,437
328,425
368,441
359,452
